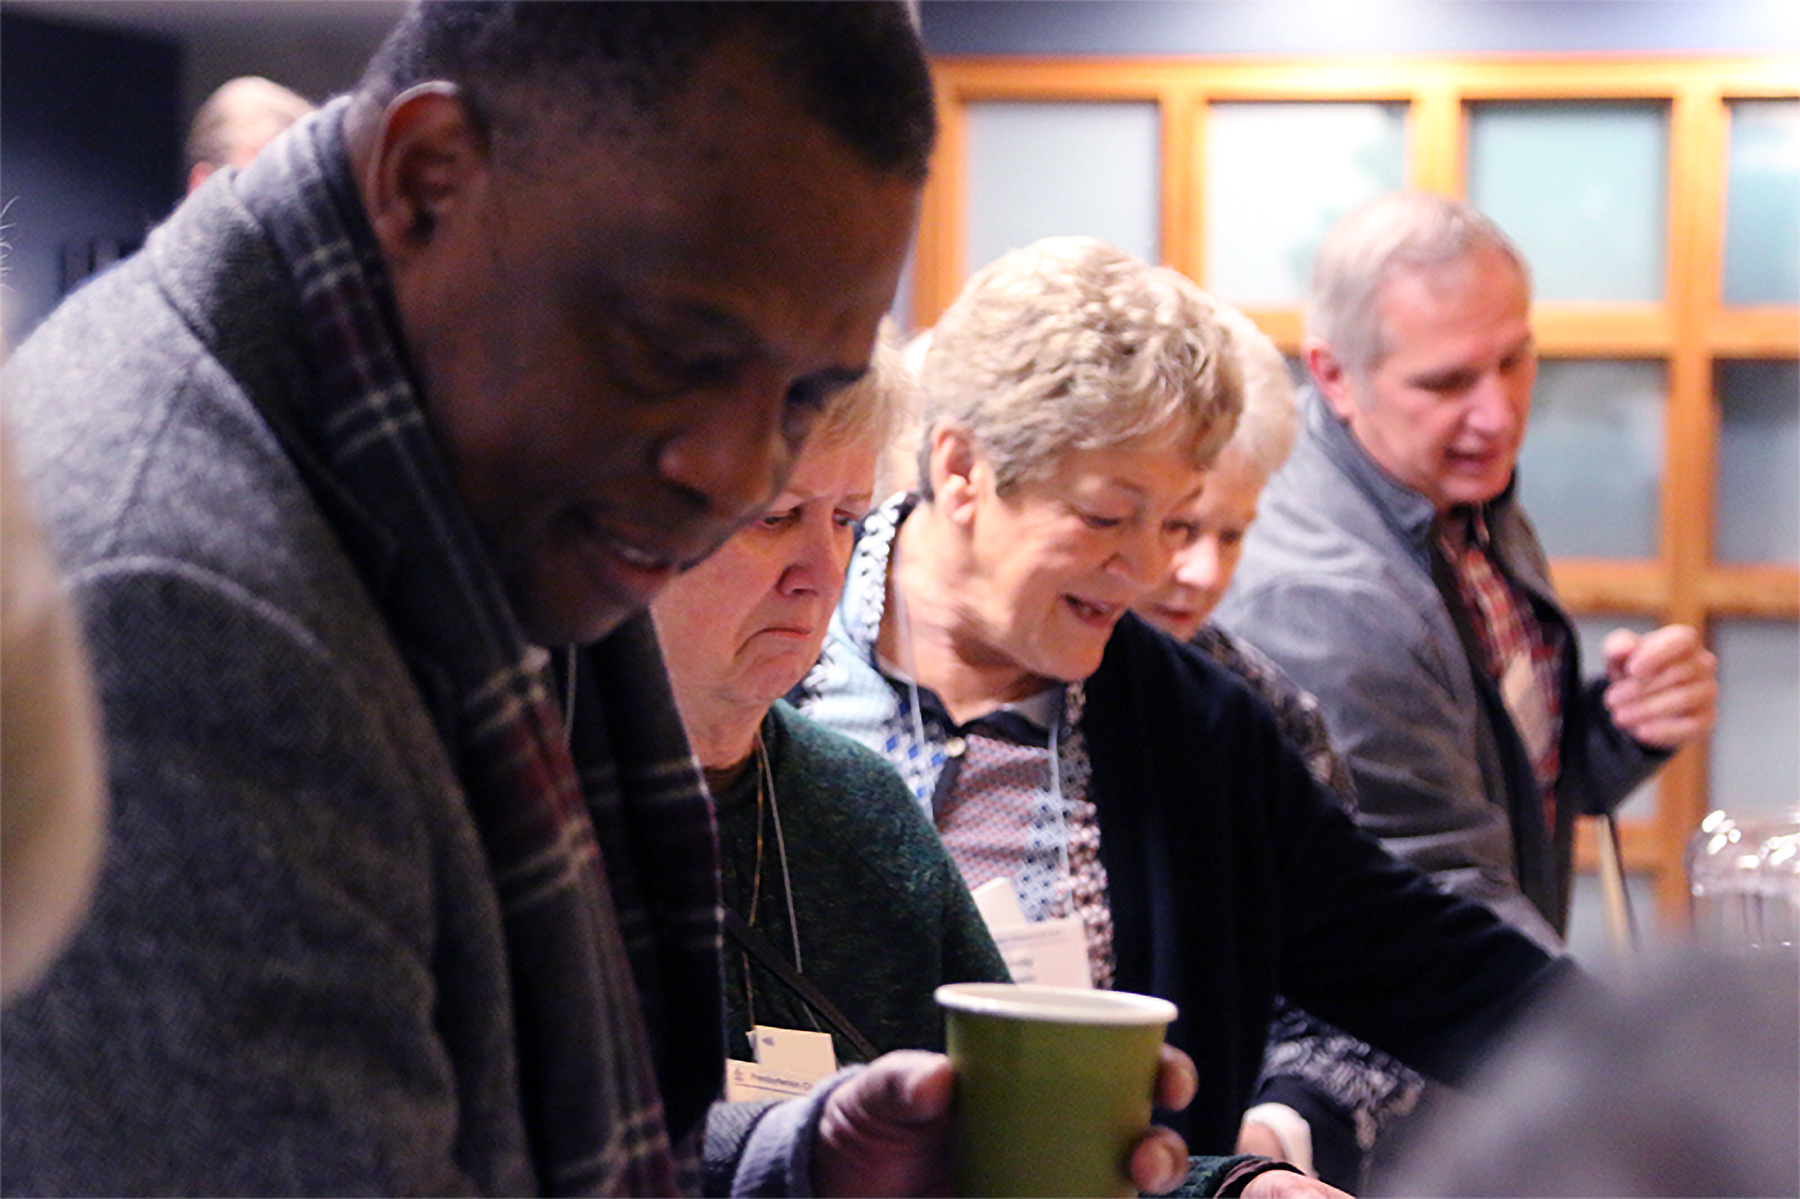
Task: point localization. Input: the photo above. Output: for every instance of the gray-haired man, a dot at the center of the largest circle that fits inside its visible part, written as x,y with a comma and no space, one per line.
1394,574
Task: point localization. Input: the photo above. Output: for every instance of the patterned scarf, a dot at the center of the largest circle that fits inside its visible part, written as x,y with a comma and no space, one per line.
601,844
1522,653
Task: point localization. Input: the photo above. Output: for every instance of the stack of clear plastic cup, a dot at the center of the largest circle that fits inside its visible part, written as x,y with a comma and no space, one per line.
1744,880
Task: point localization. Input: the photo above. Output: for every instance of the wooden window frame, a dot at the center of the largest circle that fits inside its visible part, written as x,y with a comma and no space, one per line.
1690,330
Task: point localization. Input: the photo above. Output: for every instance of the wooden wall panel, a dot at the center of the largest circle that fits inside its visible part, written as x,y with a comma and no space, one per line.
1689,331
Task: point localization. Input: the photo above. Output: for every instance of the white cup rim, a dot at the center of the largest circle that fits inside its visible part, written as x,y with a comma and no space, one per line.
1060,1005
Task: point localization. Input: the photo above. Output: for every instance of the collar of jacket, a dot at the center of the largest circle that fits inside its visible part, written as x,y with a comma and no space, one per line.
1412,517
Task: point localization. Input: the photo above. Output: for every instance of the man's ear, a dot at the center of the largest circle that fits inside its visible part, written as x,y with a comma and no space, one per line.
427,158
1330,376
953,466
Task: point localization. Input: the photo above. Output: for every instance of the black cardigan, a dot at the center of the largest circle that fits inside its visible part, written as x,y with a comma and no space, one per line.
1233,877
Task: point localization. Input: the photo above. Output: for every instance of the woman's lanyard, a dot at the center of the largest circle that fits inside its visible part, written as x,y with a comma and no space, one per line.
908,664
765,783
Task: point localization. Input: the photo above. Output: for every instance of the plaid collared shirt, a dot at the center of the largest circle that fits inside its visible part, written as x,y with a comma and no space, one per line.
1521,655
600,839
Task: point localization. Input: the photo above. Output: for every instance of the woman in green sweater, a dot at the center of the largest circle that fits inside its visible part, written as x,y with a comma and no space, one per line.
827,861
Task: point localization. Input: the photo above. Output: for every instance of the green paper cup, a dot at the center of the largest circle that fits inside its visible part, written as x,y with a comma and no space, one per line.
1053,1086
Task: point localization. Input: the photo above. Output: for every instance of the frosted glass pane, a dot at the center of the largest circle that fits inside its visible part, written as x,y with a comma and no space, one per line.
1582,189
1591,471
1757,512
1039,170
1762,209
1590,636
1277,177
1756,746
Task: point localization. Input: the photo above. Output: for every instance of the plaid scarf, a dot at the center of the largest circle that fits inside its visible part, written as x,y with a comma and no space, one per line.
601,844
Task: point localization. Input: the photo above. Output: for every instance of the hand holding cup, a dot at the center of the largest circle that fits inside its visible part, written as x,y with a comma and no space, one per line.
886,1129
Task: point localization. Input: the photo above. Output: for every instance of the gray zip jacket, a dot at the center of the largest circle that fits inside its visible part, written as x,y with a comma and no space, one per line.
1341,584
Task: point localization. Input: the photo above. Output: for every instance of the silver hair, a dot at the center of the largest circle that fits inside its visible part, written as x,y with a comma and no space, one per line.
1408,230
1071,344
239,117
898,468
1266,430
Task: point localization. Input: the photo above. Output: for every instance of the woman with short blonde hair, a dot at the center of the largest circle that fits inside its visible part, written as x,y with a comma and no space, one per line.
1072,344
1073,397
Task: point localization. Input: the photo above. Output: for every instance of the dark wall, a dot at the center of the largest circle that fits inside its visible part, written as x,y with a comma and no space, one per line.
90,156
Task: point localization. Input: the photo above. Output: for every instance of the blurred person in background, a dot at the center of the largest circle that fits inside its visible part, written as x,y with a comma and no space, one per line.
237,120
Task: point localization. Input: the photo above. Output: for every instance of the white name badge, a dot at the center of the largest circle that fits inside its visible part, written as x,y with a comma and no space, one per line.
1518,688
998,903
1050,953
788,1062
792,1051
